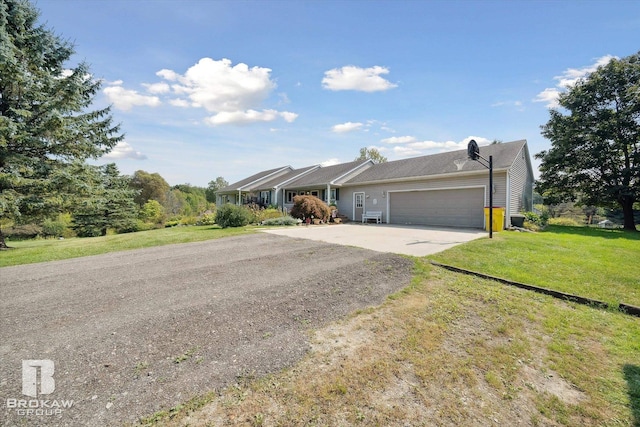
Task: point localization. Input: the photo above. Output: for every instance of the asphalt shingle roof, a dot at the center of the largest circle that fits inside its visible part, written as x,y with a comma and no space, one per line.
272,183
260,175
325,175
503,154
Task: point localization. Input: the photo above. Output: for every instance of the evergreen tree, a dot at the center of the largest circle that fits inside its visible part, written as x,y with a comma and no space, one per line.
45,121
109,203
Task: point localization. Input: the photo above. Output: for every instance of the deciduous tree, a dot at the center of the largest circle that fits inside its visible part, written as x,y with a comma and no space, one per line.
150,186
594,157
371,154
214,187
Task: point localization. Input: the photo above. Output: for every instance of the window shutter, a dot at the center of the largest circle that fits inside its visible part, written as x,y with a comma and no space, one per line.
337,194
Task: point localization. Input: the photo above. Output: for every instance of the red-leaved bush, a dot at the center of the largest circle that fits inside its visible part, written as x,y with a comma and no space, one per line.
310,207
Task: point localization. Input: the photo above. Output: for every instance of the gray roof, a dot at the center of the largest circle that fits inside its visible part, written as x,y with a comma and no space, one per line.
253,178
503,154
325,175
280,179
417,167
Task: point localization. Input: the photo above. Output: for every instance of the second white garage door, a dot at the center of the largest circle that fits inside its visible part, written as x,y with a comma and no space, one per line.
450,208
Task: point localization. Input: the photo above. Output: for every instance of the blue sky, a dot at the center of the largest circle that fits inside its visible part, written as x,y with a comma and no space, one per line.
228,88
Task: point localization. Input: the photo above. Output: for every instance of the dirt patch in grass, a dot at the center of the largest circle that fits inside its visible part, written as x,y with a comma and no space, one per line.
449,351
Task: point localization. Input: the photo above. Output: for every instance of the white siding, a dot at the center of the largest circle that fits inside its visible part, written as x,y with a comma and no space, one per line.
521,182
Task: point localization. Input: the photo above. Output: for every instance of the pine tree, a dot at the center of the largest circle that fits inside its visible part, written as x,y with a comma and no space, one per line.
108,204
45,120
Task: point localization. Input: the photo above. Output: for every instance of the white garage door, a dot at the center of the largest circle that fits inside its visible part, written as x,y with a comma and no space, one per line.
450,208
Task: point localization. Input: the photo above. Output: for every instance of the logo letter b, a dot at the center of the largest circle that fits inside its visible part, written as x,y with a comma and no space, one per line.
30,377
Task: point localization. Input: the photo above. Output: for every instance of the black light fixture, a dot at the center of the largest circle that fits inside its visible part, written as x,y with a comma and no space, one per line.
473,152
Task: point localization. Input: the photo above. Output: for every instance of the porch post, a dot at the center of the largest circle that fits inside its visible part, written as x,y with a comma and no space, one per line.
328,194
284,198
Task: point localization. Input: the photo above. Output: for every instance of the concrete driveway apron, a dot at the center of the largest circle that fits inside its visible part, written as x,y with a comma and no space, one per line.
407,240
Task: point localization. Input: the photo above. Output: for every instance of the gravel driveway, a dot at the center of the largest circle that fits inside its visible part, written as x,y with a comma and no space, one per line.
134,332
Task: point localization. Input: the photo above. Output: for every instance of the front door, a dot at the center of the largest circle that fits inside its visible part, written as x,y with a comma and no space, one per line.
358,206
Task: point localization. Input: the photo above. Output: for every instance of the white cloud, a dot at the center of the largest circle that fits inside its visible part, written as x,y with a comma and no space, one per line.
249,116
406,151
219,86
355,78
233,93
125,99
568,79
179,102
346,127
157,88
398,140
330,162
517,104
124,151
411,147
549,96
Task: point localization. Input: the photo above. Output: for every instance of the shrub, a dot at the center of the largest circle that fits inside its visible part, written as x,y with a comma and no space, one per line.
310,207
51,228
535,222
268,213
283,220
152,212
233,216
24,231
567,222
188,220
144,226
207,219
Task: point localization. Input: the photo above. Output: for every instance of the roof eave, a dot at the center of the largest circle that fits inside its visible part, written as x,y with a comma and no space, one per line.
242,188
333,182
422,177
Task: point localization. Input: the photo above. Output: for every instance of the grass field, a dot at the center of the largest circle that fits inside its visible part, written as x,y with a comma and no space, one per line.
590,262
39,250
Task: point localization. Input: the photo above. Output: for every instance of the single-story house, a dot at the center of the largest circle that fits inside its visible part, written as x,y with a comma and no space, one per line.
445,189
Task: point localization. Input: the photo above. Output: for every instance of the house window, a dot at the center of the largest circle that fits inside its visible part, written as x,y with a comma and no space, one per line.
335,194
290,196
315,193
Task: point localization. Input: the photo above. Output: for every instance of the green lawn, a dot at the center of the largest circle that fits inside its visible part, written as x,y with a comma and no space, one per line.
594,263
39,250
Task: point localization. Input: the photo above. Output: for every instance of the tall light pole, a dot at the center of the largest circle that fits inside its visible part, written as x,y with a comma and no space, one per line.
473,151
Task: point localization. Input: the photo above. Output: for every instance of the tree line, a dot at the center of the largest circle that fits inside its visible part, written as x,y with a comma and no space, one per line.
100,200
